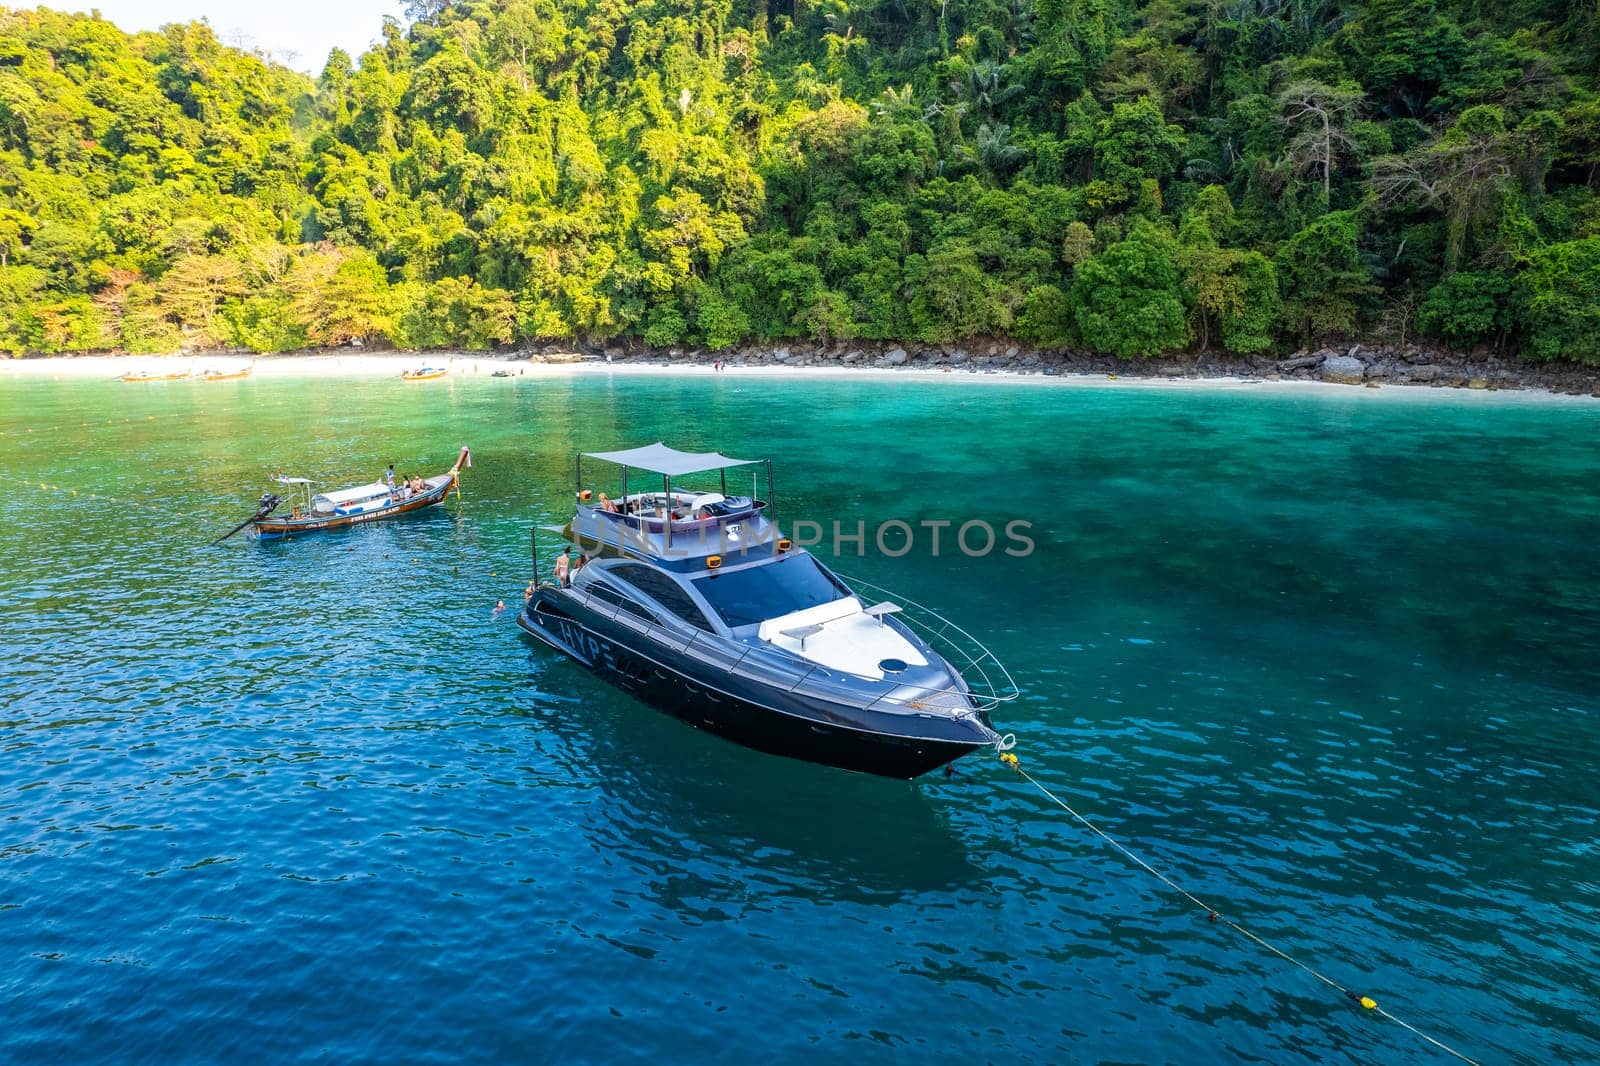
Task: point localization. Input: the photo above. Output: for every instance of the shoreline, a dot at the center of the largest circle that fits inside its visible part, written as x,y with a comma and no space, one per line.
1297,373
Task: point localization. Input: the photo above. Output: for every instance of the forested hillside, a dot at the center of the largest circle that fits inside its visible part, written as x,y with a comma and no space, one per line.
1127,177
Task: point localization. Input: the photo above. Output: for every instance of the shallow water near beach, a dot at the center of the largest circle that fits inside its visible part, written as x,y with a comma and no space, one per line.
1329,659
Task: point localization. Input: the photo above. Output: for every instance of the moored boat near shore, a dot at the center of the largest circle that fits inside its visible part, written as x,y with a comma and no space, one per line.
693,601
343,508
225,375
424,373
154,375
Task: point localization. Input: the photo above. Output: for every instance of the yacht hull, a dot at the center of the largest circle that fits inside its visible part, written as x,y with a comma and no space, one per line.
747,711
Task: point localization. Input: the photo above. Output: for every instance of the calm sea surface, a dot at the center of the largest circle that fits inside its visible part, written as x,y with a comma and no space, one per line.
1332,660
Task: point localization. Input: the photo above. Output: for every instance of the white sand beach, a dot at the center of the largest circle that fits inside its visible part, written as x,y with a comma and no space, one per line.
484,367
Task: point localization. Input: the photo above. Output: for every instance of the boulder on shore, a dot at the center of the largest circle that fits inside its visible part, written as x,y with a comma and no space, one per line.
895,356
1302,362
1344,369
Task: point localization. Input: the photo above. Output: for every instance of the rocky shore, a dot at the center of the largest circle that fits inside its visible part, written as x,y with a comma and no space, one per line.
1358,364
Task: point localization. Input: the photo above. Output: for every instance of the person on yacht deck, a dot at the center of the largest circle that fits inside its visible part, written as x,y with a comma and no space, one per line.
563,565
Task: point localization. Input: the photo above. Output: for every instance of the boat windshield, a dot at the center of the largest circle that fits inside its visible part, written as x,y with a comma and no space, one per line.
757,593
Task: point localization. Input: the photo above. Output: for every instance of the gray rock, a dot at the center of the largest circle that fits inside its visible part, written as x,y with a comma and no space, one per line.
1170,371
1302,362
1011,352
1354,351
1344,369
1423,372
851,356
781,355
895,356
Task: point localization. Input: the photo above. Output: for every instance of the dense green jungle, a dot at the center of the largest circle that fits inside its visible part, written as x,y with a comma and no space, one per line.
1118,176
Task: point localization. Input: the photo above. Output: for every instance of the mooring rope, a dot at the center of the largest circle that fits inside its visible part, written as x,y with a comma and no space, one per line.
1212,914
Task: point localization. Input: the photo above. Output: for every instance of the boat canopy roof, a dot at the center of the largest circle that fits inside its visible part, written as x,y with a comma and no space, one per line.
360,492
660,459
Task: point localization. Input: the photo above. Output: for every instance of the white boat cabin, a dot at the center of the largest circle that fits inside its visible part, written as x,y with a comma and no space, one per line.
359,500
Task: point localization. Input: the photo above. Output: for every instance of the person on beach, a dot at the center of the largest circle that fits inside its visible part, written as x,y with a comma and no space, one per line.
563,564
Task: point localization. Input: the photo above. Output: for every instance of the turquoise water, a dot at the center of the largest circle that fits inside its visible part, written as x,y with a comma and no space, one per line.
1328,658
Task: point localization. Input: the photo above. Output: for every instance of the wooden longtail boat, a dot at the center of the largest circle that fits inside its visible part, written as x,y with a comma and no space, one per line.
151,375
225,375
347,507
424,373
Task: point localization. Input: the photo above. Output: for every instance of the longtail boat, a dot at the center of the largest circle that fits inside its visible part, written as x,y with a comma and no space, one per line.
225,375
152,375
424,373
316,512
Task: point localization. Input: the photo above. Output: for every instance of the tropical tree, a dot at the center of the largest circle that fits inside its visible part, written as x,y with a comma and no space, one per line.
1128,299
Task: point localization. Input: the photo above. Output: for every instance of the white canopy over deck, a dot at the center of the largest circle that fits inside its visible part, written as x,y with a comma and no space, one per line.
669,462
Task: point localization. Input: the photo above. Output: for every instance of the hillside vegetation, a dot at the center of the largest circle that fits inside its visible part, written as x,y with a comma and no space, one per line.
1127,177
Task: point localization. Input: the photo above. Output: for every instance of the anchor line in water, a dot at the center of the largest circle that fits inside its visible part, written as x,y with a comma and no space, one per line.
1212,914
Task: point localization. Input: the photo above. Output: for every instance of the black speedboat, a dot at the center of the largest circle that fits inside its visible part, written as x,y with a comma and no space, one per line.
694,601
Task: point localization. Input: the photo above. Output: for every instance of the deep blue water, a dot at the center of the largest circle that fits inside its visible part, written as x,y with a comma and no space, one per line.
1330,659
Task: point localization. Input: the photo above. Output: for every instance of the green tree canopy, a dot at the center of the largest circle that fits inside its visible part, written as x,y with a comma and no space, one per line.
1129,175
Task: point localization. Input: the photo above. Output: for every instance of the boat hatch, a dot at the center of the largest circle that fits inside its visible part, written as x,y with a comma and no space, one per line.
844,637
